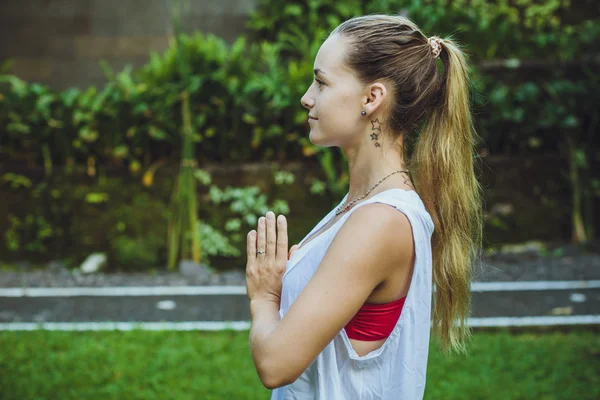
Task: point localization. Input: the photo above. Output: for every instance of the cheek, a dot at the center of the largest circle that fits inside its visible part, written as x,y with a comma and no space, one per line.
335,103
347,101
336,115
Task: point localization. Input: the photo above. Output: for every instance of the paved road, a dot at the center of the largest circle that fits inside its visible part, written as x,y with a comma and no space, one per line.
234,307
507,290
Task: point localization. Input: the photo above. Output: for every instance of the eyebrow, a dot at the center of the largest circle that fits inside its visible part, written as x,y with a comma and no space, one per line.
318,71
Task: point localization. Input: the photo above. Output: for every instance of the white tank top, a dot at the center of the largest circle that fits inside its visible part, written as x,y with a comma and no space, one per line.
396,370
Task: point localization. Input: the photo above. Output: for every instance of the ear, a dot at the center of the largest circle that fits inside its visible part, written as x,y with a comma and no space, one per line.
376,94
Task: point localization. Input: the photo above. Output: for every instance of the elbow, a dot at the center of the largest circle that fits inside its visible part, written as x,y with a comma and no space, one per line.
271,383
273,378
275,383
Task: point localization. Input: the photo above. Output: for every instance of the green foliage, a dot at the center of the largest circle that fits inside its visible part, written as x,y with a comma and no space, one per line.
242,99
133,253
535,88
137,232
245,100
28,234
16,181
520,107
56,219
245,96
491,29
240,208
215,243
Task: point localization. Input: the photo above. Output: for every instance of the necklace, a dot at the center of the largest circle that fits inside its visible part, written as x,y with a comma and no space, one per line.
343,208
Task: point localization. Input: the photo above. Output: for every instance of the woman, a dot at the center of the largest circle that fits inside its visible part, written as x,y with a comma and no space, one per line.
348,315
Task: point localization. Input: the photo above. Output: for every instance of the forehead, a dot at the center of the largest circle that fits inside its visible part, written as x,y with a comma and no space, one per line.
330,57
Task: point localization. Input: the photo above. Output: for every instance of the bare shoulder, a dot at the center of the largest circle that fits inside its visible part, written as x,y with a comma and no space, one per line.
375,231
382,213
385,222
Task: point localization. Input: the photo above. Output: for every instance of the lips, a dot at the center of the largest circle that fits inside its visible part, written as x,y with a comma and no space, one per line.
311,117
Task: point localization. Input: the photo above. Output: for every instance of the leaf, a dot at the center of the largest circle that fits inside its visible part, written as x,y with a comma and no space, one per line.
249,119
203,176
570,121
69,96
580,159
309,150
43,103
88,135
156,133
233,225
18,127
95,198
140,108
292,10
200,120
18,86
121,151
195,84
17,180
535,142
215,194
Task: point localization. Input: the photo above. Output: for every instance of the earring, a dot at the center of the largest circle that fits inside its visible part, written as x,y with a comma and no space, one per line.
363,112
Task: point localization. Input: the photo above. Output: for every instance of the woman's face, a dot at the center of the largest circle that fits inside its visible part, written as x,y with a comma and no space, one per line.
335,97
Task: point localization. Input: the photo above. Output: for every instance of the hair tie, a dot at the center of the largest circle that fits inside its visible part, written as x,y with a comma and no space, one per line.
436,45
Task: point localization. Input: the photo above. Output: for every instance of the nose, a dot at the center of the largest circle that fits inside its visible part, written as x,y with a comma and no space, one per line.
307,101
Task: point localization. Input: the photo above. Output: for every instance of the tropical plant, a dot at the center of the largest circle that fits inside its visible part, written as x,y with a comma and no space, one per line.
184,242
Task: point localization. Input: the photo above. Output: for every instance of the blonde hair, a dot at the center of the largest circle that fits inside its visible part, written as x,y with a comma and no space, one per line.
431,109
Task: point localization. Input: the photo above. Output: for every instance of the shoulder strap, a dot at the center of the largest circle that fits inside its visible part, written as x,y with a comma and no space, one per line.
405,201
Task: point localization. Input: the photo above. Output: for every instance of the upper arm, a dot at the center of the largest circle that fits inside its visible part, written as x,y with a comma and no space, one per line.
370,244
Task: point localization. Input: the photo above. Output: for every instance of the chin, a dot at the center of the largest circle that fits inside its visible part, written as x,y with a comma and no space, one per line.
318,140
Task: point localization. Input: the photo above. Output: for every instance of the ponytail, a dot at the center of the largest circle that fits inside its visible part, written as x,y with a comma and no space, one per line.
442,166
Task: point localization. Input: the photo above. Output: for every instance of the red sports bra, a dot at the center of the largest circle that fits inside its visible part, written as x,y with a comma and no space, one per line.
375,321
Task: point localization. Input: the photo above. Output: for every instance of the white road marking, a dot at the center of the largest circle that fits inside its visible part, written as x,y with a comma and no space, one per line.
535,321
124,291
533,285
241,290
127,326
245,325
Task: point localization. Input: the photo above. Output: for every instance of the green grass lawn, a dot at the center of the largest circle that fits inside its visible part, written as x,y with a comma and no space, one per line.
218,365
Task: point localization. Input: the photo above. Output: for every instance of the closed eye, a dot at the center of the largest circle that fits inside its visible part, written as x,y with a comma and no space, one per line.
320,83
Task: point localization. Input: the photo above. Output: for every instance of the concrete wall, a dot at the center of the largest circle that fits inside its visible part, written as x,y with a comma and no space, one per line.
59,42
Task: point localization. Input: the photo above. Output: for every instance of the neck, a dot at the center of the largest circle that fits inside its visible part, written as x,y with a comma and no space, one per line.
369,164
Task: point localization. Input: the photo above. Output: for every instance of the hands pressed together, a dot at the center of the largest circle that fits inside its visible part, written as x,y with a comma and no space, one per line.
264,271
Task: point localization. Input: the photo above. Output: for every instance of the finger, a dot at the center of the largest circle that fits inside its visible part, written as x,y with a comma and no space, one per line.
282,238
262,238
251,246
271,236
293,250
